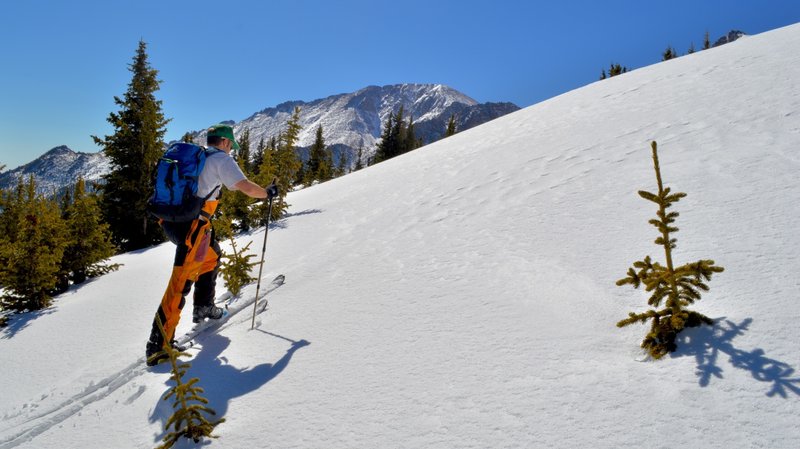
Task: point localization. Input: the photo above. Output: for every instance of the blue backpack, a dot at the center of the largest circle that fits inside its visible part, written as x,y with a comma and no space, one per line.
175,197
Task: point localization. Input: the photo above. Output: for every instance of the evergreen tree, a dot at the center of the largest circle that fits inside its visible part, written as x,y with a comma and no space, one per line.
706,42
235,268
668,54
235,207
691,48
397,137
603,74
266,173
258,157
134,150
190,406
187,138
360,157
31,251
319,166
281,165
89,240
287,164
243,156
399,132
451,125
410,140
679,286
387,148
616,69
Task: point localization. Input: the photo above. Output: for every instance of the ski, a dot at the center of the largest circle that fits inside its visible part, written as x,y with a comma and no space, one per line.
232,306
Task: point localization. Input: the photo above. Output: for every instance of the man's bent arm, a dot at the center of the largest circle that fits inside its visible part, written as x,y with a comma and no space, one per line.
250,189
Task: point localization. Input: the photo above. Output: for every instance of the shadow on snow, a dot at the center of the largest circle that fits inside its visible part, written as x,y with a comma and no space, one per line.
222,382
707,343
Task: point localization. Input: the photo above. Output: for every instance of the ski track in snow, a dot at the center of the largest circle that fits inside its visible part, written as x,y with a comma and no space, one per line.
31,425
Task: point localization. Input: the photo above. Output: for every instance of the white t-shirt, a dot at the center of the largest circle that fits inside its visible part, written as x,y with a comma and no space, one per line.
220,168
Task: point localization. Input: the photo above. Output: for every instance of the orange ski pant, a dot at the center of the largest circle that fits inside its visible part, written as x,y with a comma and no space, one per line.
197,256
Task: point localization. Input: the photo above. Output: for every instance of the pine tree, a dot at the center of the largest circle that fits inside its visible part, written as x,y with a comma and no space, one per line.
286,163
680,286
134,150
243,156
267,172
280,164
706,42
187,138
387,147
31,250
360,157
451,125
410,140
397,137
668,54
399,132
188,420
616,69
258,157
235,268
89,239
691,49
319,167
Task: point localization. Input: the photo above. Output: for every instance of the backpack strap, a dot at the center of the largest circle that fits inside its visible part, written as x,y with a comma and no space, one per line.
208,152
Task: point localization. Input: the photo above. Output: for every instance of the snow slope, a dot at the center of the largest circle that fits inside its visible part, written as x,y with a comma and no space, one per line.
462,296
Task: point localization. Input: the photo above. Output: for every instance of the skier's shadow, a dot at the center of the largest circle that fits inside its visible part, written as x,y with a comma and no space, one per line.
222,382
706,343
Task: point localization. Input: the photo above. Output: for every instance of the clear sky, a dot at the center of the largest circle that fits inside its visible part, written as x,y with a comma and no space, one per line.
64,61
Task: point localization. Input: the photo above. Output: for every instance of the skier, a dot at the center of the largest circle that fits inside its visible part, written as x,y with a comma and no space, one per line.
197,252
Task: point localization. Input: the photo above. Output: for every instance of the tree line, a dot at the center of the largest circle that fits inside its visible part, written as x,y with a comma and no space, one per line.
669,53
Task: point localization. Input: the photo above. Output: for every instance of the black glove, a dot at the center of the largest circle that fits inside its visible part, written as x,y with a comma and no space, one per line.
272,191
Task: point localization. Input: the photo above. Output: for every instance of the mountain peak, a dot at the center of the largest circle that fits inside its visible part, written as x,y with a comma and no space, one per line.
59,150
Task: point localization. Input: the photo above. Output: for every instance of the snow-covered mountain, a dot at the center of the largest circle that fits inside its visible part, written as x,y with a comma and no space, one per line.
354,120
348,121
464,296
58,168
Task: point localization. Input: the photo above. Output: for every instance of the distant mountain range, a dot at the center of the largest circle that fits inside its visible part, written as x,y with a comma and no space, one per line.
354,120
57,169
349,121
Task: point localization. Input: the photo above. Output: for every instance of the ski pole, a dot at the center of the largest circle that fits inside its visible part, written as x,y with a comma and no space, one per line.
261,267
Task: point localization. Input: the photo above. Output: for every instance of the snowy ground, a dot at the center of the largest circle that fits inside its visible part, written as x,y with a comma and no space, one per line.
463,296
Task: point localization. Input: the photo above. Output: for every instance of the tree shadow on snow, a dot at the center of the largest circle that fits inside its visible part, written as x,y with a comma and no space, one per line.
222,382
19,321
707,343
282,222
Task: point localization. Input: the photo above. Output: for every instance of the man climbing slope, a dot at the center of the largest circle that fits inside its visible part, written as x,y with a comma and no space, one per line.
197,252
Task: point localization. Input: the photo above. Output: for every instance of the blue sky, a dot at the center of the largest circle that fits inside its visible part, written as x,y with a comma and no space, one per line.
63,62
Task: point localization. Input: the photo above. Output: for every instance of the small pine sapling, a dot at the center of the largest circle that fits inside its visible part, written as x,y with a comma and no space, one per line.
236,268
680,286
187,420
